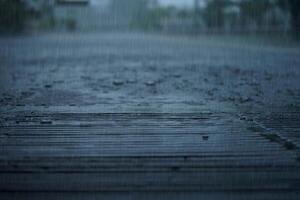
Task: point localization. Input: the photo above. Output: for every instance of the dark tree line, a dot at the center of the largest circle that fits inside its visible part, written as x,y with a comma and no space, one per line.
293,7
12,15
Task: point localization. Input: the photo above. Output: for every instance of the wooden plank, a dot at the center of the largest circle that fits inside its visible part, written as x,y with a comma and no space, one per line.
141,152
224,195
285,124
258,180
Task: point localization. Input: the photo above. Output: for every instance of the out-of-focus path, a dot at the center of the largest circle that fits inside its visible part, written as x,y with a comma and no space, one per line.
129,112
135,71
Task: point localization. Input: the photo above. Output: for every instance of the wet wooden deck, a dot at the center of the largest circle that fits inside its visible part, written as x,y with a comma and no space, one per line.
188,152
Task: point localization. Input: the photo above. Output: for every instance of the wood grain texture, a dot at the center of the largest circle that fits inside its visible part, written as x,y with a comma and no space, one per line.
141,152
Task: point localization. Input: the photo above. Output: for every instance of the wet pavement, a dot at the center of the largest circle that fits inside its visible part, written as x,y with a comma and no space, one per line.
109,105
145,71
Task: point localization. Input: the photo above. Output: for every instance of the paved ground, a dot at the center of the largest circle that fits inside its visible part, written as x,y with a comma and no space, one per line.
136,115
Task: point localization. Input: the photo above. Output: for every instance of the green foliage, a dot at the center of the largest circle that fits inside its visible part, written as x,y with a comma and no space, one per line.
150,19
47,23
12,15
254,10
71,24
214,13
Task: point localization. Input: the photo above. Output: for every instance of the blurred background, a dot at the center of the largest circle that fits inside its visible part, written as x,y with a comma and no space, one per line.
276,17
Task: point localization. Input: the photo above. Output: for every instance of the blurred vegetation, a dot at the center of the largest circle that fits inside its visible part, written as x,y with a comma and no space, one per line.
224,15
12,15
255,9
71,24
214,14
151,19
293,7
221,16
47,23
